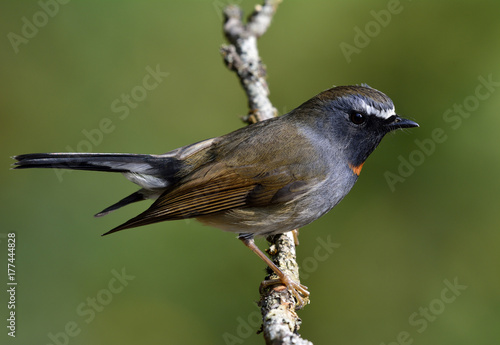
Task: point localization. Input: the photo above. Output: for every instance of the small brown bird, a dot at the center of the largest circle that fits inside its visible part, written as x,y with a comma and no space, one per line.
267,178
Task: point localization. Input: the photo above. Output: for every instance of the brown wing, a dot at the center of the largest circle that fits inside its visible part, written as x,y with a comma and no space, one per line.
239,176
219,193
199,197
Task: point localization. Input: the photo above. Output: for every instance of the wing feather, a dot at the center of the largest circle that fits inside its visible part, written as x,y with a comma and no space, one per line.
234,172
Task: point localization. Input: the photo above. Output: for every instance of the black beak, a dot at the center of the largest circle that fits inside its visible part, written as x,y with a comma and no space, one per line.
397,122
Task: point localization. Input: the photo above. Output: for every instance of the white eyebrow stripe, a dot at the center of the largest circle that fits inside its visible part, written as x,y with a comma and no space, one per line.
384,114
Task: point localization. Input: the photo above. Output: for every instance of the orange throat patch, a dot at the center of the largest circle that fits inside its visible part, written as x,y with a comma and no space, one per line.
356,169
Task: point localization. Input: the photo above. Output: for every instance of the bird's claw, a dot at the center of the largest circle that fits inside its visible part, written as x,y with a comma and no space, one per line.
299,291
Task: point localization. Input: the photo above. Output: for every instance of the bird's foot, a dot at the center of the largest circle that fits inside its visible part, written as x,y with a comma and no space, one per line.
299,291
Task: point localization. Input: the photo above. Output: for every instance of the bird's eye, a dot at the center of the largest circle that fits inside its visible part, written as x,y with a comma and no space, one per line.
357,118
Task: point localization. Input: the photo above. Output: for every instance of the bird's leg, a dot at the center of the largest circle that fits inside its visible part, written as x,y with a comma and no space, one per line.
298,290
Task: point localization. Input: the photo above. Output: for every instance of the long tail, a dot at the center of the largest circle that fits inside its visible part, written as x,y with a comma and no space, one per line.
152,172
114,162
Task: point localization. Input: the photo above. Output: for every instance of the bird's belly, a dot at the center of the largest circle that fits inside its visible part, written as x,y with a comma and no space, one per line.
272,219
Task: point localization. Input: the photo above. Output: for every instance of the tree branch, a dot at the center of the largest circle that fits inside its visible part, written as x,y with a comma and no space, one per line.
280,321
242,56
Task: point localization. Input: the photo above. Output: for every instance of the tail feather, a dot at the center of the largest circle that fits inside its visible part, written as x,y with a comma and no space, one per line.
134,197
141,194
114,162
153,173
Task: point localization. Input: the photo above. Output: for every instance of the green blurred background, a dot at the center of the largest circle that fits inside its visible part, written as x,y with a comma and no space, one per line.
397,248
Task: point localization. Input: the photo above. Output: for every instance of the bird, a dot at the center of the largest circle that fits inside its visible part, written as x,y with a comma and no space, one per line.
264,179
